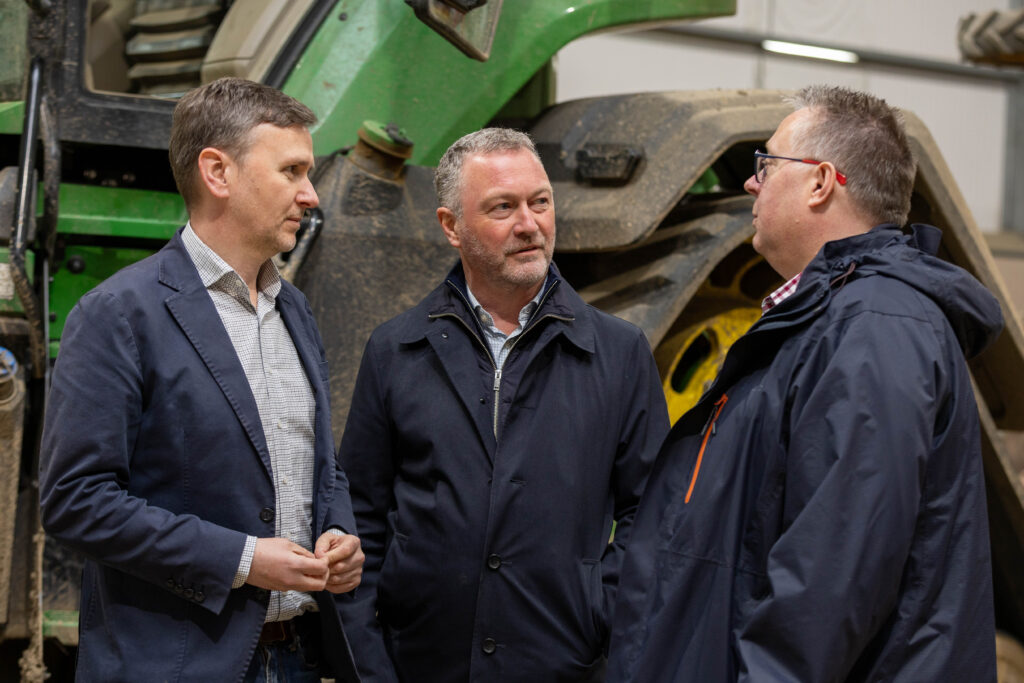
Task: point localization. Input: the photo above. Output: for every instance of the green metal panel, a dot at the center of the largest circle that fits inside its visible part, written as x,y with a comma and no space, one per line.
12,115
119,212
102,212
99,263
373,59
109,212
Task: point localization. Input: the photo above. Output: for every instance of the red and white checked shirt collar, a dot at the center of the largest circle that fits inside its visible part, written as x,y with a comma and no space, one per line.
780,294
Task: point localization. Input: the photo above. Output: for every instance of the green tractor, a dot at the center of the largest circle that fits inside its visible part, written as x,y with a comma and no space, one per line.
653,223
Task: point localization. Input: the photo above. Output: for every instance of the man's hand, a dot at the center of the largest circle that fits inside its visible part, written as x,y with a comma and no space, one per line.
280,565
344,556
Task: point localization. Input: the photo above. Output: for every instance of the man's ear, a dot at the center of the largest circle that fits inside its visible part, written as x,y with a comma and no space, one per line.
825,183
446,217
215,172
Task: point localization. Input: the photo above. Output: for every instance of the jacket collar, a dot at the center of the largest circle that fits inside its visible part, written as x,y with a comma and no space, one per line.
559,301
175,268
835,257
829,270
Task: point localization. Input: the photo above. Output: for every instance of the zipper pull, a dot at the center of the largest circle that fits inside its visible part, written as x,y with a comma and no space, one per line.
713,415
708,423
497,378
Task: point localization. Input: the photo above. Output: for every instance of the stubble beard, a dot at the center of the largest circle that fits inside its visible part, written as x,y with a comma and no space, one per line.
505,267
529,273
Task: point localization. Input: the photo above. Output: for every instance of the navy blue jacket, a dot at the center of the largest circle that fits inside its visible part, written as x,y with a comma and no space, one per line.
836,529
487,557
155,467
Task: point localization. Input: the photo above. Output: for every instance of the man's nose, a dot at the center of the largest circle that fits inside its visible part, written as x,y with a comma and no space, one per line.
527,222
307,196
752,186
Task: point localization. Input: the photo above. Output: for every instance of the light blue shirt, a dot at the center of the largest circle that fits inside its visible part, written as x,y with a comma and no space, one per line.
499,342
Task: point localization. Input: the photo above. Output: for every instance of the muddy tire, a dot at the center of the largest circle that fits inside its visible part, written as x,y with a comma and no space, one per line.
993,37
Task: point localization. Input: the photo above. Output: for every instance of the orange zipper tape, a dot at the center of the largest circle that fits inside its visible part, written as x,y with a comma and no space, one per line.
708,430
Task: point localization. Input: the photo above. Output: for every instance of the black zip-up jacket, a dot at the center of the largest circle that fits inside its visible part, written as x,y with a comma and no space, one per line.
485,502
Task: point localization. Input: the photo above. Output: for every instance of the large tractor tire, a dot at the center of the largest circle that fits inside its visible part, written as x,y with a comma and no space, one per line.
993,37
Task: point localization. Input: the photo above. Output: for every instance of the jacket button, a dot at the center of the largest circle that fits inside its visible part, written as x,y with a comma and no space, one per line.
188,593
489,646
444,335
200,596
170,583
267,515
494,561
179,588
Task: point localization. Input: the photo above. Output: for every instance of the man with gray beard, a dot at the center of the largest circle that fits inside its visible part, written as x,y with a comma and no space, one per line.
497,431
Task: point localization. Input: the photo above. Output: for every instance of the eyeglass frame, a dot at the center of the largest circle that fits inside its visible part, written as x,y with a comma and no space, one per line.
761,169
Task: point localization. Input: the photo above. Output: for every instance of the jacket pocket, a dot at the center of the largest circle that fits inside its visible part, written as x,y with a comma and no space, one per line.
392,598
594,590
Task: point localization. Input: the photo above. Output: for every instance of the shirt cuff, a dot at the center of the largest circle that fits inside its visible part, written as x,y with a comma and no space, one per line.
336,531
245,564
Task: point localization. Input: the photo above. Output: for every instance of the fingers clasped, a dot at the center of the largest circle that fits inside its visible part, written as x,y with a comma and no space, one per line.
345,559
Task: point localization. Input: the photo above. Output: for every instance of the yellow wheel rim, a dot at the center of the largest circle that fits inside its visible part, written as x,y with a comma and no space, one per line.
698,353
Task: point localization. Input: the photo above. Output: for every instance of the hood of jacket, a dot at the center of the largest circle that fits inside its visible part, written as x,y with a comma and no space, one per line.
973,313
971,310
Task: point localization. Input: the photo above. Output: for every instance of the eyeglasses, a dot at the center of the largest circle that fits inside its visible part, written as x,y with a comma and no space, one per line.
761,165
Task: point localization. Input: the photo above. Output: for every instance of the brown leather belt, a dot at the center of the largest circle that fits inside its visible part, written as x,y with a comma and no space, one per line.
277,631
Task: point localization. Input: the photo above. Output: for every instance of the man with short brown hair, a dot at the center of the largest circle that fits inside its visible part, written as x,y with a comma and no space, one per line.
187,450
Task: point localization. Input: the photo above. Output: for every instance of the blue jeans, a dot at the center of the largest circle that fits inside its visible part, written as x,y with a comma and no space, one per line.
280,663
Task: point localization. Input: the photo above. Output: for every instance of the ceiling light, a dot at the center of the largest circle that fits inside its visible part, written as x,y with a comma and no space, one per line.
812,51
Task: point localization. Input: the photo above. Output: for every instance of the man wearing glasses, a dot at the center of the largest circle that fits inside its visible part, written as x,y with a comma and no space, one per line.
820,514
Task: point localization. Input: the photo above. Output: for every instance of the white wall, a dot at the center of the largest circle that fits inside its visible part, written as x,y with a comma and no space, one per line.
967,118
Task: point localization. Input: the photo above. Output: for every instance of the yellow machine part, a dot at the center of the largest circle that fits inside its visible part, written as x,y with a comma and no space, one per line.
699,351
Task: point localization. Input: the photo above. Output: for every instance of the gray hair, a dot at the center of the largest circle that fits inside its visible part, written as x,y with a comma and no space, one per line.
222,114
448,176
864,137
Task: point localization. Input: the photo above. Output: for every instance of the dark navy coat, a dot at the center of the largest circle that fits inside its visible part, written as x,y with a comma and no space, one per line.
487,557
155,467
836,528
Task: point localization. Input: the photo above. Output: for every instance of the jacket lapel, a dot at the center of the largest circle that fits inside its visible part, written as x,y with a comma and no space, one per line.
457,342
191,307
454,336
457,348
